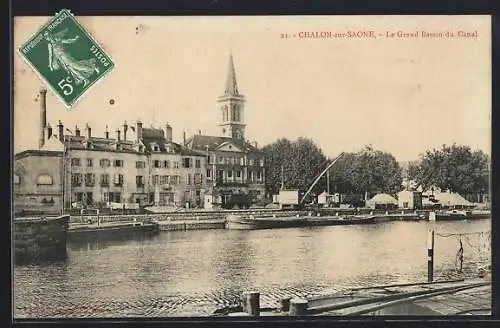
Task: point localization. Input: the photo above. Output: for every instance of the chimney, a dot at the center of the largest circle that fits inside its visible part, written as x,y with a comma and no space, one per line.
88,130
199,132
60,131
106,132
49,131
118,135
77,131
43,117
139,130
168,133
184,138
125,128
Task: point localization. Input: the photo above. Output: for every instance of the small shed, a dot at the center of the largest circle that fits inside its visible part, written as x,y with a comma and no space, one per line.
382,201
410,199
324,198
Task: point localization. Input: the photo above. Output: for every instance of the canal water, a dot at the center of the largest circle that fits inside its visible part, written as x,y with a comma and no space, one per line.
186,273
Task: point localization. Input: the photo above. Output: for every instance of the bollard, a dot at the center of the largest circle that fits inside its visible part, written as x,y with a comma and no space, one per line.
251,303
430,256
298,306
285,304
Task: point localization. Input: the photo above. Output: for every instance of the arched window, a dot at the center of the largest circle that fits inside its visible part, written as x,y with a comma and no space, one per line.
44,179
17,179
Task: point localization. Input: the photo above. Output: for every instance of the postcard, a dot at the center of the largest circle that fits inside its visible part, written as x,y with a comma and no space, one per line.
251,166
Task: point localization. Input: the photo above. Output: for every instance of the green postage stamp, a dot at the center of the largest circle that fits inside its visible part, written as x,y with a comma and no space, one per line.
66,57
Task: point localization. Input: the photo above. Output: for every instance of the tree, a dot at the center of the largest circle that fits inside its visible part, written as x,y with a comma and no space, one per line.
454,167
368,170
302,160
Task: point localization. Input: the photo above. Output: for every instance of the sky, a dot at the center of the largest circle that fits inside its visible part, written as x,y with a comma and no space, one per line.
401,95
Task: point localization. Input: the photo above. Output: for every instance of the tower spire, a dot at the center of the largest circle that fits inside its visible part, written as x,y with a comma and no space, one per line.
231,84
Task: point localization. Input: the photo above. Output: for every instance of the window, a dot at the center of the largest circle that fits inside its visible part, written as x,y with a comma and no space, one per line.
249,175
118,163
230,174
104,162
140,164
259,175
44,179
75,162
261,162
197,164
89,179
188,179
76,179
242,161
209,173
156,163
209,159
250,162
155,179
174,179
166,164
238,174
115,197
139,181
17,179
176,165
156,148
198,178
104,180
118,179
90,162
221,160
186,162
163,179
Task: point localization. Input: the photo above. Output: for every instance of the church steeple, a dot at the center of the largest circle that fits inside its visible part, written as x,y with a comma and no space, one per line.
231,83
232,106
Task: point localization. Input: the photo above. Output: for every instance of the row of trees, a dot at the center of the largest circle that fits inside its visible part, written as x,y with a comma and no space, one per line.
296,164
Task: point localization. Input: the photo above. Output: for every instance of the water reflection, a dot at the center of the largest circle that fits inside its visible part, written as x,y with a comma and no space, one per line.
187,272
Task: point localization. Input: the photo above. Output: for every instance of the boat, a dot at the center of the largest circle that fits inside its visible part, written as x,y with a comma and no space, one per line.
241,222
112,228
457,215
398,217
40,238
320,221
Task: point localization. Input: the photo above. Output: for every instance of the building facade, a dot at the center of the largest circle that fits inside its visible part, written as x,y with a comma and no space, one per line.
234,167
37,182
134,167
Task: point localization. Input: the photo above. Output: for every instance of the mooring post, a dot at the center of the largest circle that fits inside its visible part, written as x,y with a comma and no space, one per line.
285,304
298,306
251,303
430,256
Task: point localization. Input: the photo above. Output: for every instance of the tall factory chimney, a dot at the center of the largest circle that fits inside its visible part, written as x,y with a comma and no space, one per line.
43,117
106,133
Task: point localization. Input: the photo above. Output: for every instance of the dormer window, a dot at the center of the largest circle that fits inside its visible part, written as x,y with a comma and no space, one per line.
155,147
89,145
118,147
